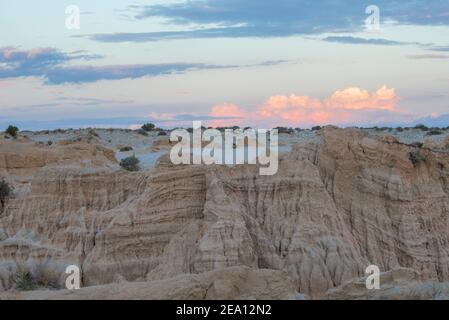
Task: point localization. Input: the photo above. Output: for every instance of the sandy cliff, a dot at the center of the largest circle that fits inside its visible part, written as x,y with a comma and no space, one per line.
338,204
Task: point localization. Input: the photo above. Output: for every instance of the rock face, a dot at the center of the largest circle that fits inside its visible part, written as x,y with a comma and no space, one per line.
337,205
398,212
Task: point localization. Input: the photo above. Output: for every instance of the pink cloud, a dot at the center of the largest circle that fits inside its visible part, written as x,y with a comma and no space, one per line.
351,106
348,106
238,115
357,99
227,110
290,108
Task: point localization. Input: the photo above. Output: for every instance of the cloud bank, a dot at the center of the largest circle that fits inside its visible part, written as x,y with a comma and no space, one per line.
345,107
282,18
52,65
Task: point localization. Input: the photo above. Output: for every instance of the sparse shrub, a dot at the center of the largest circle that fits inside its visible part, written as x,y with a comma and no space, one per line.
446,147
130,163
142,132
316,128
162,133
148,127
12,131
92,132
284,130
434,132
126,149
399,129
418,144
6,192
49,142
421,127
46,278
416,157
24,280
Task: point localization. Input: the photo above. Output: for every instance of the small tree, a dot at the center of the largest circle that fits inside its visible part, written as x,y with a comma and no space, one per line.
148,127
6,191
130,163
12,131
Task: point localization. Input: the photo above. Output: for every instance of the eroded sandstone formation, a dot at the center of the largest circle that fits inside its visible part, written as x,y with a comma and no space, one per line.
338,204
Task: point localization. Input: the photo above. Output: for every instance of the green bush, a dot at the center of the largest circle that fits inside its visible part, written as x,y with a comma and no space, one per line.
421,127
284,130
418,144
162,133
142,132
316,128
130,163
416,158
126,149
148,127
12,131
92,132
42,277
434,132
24,280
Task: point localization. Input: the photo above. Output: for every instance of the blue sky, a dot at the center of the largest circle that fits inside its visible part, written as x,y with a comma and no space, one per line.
255,62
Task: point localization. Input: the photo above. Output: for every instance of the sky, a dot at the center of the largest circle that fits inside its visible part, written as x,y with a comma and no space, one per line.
259,63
